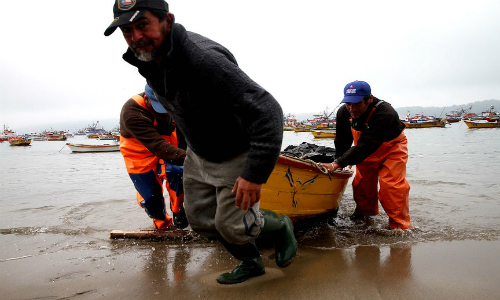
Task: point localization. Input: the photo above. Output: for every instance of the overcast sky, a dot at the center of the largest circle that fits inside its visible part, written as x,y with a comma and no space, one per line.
57,66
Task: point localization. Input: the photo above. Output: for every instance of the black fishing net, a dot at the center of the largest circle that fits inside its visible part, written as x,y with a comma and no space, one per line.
311,151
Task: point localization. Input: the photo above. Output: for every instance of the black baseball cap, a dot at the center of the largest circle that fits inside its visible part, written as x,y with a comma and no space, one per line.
129,11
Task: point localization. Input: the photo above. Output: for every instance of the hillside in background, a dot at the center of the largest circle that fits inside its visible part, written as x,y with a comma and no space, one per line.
436,111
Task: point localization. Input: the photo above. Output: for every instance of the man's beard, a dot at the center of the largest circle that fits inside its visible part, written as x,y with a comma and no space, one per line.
148,56
145,55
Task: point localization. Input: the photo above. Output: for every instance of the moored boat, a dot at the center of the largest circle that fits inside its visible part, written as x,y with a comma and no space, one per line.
6,134
301,129
92,135
482,124
289,122
81,148
56,137
326,133
425,124
421,121
19,141
301,188
105,137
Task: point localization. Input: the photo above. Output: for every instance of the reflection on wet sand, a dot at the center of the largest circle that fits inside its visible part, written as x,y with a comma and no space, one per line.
369,261
181,264
168,264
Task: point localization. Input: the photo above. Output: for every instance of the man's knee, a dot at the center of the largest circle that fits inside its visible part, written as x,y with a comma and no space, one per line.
241,230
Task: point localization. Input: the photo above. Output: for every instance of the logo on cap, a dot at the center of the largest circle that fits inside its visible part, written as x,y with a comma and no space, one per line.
350,90
126,4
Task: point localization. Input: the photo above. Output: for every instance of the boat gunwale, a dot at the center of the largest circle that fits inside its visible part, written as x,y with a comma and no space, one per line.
311,166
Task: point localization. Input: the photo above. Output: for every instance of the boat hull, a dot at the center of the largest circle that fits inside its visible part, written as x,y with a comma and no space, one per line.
299,189
324,134
301,129
472,124
424,124
19,142
83,148
56,138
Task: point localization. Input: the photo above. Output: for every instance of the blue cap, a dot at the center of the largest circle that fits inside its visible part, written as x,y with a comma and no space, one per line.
355,91
154,102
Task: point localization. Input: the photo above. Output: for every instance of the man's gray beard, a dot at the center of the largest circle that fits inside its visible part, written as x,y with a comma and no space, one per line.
149,56
146,56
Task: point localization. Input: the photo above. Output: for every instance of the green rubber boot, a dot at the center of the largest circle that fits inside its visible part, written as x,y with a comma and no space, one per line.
251,264
281,229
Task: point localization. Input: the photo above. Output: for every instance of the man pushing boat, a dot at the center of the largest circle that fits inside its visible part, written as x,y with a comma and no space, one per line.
199,83
380,154
153,150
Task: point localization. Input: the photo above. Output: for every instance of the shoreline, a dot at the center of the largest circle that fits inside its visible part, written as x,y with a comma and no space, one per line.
466,269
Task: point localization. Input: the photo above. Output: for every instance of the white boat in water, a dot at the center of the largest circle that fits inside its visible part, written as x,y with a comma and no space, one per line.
93,148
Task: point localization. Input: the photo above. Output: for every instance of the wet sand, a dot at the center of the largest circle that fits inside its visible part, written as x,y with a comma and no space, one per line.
54,233
125,269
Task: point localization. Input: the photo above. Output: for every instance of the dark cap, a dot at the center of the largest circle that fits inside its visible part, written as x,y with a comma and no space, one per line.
129,11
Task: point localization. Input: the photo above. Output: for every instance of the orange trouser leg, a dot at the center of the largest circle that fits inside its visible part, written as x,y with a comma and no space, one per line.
159,224
394,189
172,175
364,186
176,201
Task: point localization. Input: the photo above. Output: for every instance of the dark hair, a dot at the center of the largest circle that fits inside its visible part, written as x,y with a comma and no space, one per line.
366,98
160,14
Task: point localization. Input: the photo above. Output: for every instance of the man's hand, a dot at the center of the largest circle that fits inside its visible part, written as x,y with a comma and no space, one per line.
247,193
331,167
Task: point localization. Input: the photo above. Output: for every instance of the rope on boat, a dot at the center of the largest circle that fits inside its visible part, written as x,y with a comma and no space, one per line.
311,162
320,168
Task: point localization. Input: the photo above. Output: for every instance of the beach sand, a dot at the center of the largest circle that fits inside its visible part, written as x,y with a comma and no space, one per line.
126,269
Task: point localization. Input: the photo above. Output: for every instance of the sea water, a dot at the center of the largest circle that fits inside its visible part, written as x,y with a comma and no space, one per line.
54,200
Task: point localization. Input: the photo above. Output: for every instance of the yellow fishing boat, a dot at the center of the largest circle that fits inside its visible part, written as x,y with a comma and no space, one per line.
301,129
326,133
19,141
425,124
301,188
479,124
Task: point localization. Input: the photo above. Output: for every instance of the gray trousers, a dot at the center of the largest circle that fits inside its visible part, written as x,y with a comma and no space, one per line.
210,204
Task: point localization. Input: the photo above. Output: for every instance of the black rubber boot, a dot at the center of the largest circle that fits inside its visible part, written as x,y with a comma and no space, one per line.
281,230
180,219
251,264
356,216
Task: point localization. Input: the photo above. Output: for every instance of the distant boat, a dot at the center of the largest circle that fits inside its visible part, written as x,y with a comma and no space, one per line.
301,129
482,124
6,134
19,141
82,148
325,133
421,121
55,137
425,124
92,135
106,137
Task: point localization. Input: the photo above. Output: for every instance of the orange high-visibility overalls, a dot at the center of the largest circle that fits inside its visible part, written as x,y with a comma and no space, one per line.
387,167
148,172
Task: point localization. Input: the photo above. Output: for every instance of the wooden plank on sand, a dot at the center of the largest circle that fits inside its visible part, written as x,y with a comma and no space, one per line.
176,234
